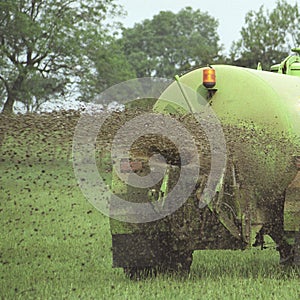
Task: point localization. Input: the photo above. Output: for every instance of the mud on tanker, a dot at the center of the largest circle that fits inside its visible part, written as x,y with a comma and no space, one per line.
248,181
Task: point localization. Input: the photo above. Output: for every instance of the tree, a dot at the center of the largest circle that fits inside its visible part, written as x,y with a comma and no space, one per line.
171,43
110,67
43,46
267,37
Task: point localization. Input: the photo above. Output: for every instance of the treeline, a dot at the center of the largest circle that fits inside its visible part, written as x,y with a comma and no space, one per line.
54,49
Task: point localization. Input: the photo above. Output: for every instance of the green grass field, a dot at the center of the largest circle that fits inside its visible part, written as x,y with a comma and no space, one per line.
55,245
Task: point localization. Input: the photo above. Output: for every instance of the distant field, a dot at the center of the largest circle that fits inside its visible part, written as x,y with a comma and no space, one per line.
56,245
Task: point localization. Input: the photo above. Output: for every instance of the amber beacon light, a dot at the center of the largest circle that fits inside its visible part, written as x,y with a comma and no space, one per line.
209,78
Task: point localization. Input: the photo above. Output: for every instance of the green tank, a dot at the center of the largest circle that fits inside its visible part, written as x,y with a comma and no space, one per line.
245,127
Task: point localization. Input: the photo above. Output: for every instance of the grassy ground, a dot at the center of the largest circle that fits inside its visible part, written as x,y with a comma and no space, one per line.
55,245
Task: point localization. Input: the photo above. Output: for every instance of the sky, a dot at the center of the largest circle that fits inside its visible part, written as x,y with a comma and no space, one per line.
230,13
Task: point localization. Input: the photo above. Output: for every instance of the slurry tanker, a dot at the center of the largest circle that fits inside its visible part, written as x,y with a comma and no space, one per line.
228,164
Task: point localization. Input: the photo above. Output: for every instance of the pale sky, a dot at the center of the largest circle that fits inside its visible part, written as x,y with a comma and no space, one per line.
231,13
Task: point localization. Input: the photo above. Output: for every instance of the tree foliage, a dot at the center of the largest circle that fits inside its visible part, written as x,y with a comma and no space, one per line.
171,43
44,44
110,67
267,36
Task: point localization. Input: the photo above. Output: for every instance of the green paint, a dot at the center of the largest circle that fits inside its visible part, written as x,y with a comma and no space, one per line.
260,115
261,104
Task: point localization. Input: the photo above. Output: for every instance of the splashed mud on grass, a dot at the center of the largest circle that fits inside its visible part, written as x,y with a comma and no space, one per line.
56,245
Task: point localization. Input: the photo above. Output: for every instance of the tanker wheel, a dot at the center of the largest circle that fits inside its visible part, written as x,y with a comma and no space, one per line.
297,249
139,273
174,263
177,262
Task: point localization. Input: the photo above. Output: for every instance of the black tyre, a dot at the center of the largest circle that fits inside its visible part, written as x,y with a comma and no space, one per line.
297,249
175,263
178,262
140,273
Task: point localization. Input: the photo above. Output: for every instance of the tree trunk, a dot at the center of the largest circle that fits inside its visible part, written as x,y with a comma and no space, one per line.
8,105
12,94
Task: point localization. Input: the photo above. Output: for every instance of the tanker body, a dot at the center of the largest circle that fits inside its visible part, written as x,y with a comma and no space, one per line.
246,129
